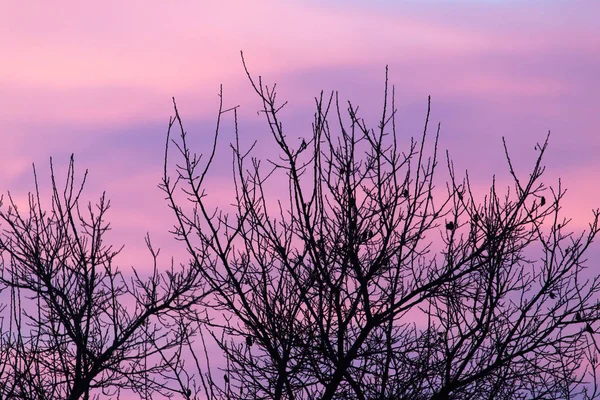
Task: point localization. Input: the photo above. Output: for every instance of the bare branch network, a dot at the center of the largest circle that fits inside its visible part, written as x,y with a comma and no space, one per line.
363,280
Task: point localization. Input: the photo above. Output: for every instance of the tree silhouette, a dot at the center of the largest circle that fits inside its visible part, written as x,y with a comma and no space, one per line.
347,285
365,279
73,326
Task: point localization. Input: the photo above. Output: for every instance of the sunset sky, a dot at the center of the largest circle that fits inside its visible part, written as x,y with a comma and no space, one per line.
96,79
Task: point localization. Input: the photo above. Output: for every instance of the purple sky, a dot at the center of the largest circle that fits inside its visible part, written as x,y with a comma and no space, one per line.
96,79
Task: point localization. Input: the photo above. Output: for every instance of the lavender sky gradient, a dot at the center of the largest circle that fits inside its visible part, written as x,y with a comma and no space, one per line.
96,79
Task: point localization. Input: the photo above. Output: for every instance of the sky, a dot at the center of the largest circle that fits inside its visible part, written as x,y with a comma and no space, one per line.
96,79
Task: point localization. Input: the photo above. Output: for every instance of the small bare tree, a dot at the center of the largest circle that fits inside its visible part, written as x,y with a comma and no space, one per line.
367,281
73,326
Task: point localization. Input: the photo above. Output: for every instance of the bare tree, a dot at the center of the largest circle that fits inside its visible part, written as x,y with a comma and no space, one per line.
73,326
367,281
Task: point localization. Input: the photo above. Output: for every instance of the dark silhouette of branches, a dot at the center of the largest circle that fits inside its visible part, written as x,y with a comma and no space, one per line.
344,271
365,280
73,326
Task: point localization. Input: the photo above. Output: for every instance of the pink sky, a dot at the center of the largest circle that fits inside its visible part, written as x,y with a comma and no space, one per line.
97,80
